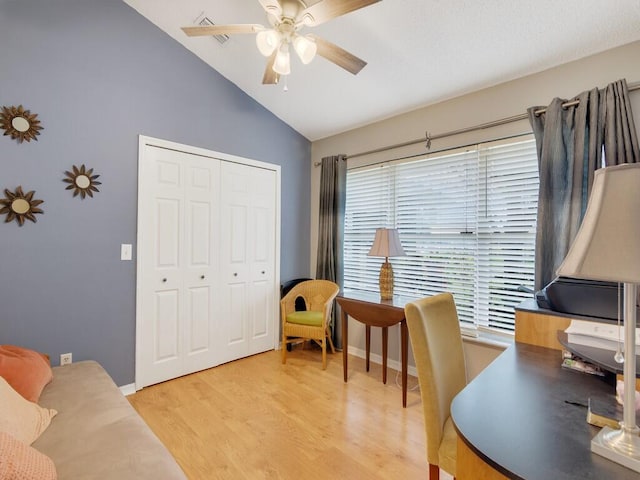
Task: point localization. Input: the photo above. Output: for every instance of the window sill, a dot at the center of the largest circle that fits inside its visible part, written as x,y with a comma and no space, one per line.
490,339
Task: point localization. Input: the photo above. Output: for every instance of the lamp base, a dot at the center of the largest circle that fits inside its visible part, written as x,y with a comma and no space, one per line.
386,281
620,446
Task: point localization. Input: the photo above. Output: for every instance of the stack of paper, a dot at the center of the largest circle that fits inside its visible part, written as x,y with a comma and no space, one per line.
597,334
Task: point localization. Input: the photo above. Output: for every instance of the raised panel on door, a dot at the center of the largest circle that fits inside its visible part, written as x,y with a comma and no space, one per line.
237,315
167,234
199,311
167,306
235,223
261,303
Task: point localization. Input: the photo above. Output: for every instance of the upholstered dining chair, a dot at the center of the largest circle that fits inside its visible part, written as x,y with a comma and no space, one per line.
313,323
434,332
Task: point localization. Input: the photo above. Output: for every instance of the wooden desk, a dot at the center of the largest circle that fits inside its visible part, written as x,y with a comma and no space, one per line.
369,309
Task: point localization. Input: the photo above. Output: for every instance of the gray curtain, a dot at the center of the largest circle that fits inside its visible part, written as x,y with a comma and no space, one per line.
570,142
330,258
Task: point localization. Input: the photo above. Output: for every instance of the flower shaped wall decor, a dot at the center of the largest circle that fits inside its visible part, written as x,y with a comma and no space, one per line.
19,206
81,181
19,123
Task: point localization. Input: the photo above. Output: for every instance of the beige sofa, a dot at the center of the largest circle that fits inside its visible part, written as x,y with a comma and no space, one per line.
97,434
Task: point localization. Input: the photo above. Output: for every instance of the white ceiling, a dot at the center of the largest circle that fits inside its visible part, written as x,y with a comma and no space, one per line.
419,52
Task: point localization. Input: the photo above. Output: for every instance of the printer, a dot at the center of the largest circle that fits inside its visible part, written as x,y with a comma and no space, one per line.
587,298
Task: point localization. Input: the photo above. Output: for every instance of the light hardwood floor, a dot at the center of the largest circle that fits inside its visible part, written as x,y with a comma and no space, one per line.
258,419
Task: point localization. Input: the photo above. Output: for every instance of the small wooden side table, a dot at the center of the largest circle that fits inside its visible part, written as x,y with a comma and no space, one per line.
369,309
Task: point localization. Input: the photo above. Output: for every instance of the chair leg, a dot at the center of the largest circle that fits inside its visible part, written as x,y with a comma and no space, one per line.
434,472
324,353
333,350
284,349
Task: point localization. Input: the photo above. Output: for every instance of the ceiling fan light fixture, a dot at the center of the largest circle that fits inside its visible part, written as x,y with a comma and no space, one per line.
305,48
282,64
267,41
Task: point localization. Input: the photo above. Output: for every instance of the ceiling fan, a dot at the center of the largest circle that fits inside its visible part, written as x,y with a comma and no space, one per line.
287,18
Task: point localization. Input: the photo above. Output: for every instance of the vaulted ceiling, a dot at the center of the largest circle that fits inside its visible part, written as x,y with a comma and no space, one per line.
419,52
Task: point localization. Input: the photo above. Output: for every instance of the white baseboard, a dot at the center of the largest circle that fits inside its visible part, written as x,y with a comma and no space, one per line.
128,389
376,358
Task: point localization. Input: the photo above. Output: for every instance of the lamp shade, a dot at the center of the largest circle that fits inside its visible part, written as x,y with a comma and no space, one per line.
305,48
386,244
607,246
267,41
282,65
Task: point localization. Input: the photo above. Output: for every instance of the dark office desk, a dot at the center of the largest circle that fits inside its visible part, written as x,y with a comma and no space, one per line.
515,419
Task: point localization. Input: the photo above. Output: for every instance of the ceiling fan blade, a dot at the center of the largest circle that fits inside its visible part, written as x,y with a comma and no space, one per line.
327,9
270,76
272,7
205,30
338,55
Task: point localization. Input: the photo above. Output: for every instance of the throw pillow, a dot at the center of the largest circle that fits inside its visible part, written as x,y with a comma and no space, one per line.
19,461
27,371
21,418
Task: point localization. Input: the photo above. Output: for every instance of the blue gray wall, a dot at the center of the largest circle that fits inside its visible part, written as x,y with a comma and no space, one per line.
98,74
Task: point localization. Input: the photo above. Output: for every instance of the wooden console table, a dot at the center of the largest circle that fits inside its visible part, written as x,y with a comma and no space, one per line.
369,309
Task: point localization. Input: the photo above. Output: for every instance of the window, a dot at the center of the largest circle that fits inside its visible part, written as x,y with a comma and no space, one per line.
466,221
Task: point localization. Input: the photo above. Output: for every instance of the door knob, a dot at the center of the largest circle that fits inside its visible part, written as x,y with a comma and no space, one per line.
202,277
164,280
235,274
263,272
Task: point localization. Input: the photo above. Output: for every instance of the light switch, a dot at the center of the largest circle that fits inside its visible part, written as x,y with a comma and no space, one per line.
125,251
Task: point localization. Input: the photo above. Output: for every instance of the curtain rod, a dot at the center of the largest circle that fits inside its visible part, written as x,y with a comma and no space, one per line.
428,138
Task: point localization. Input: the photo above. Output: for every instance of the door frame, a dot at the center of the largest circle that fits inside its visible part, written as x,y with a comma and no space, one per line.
145,142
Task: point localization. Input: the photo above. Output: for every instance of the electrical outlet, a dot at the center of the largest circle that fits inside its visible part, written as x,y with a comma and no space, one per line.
66,358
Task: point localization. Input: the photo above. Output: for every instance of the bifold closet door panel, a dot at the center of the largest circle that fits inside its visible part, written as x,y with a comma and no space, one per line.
178,210
201,246
262,258
247,258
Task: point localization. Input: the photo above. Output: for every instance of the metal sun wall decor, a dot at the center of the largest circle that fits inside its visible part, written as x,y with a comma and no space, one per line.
81,181
19,206
20,124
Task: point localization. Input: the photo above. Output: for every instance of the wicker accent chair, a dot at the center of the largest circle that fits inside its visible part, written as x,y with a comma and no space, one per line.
314,322
434,331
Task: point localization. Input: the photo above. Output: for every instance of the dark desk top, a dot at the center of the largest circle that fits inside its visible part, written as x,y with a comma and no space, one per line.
515,417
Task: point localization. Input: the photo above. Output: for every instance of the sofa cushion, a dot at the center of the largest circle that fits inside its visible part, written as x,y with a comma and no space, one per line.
21,418
19,461
97,434
27,371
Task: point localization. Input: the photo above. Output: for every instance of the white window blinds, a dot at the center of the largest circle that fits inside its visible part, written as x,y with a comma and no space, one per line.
466,222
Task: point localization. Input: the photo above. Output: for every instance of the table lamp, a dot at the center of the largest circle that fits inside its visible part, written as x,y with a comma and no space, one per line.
386,244
607,248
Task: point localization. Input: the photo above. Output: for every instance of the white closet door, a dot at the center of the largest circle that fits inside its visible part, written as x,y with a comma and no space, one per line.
261,257
201,264
247,259
178,213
